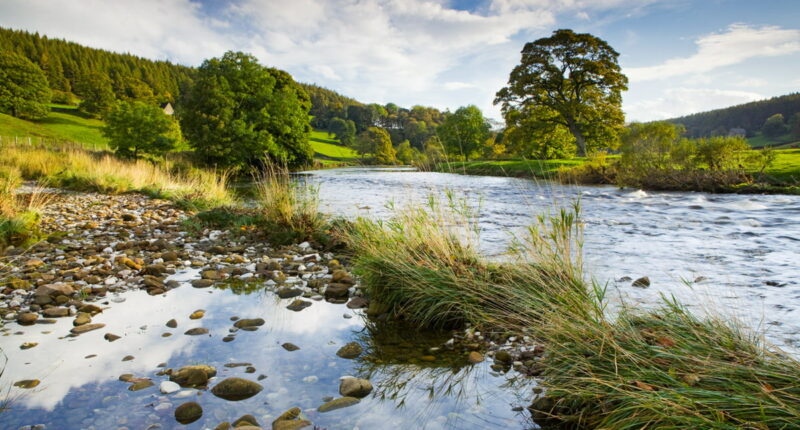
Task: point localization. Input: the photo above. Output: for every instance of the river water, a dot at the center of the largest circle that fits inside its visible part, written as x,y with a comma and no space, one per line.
734,254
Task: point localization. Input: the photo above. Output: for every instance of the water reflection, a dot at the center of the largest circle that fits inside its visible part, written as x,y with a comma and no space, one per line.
81,392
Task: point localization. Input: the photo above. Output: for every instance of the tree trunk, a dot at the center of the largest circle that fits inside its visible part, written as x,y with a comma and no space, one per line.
580,141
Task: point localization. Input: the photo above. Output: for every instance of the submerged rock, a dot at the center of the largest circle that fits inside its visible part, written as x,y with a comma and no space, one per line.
193,376
246,420
249,322
298,305
350,351
290,346
196,331
290,420
141,385
642,282
236,389
172,323
86,327
188,412
341,402
168,387
27,383
27,318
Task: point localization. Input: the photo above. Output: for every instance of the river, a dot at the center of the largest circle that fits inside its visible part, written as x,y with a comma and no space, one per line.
735,254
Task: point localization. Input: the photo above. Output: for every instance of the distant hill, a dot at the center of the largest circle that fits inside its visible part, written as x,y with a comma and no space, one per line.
749,116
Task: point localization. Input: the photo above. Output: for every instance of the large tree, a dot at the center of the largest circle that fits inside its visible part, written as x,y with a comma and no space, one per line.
464,131
97,95
570,80
239,112
136,128
24,91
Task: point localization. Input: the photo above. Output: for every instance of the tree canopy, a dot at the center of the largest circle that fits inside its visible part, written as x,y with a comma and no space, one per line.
239,112
98,95
774,126
570,80
464,131
24,91
136,128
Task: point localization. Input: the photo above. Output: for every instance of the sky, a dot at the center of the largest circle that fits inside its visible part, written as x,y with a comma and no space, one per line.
681,56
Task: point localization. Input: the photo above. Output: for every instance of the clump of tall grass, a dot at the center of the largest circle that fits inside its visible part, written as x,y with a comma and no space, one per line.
664,369
289,209
424,265
19,214
75,168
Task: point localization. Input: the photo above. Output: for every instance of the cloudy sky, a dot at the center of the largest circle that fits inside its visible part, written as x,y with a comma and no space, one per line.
681,56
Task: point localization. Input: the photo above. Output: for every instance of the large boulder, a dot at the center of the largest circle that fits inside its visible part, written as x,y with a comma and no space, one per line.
236,389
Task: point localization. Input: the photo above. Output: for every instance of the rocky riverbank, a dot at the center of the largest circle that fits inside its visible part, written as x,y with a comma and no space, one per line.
100,246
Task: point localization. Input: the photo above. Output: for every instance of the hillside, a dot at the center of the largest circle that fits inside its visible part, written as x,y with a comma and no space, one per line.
65,123
748,116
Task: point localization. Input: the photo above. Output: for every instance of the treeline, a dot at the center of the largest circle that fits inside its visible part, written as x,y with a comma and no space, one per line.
749,116
74,70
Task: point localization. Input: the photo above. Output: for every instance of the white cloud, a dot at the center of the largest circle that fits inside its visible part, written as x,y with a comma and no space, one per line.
752,83
737,44
455,85
682,101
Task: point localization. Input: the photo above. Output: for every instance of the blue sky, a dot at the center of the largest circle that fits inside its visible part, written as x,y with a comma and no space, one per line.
682,56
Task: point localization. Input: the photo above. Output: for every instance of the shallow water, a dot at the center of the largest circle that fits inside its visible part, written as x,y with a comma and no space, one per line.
746,246
80,386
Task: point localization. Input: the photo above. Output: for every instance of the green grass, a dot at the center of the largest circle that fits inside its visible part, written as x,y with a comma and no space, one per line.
329,151
64,123
786,167
760,141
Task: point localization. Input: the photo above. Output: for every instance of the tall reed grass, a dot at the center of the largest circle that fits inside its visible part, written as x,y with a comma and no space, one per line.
664,368
19,213
76,168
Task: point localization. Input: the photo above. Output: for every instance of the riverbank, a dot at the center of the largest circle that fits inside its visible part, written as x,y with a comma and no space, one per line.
782,176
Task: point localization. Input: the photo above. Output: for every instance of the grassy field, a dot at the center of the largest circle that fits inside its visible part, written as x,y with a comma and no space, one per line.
760,141
64,123
327,150
786,167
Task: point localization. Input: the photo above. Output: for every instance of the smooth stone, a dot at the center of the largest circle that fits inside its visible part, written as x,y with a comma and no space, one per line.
193,376
188,412
246,420
298,305
290,420
290,346
202,283
27,383
56,312
172,323
355,387
249,322
81,319
236,389
196,315
27,318
475,357
288,293
141,385
86,327
642,282
341,402
28,345
196,331
110,337
358,303
168,387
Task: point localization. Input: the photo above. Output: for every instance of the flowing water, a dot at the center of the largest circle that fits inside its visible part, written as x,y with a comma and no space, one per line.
739,254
